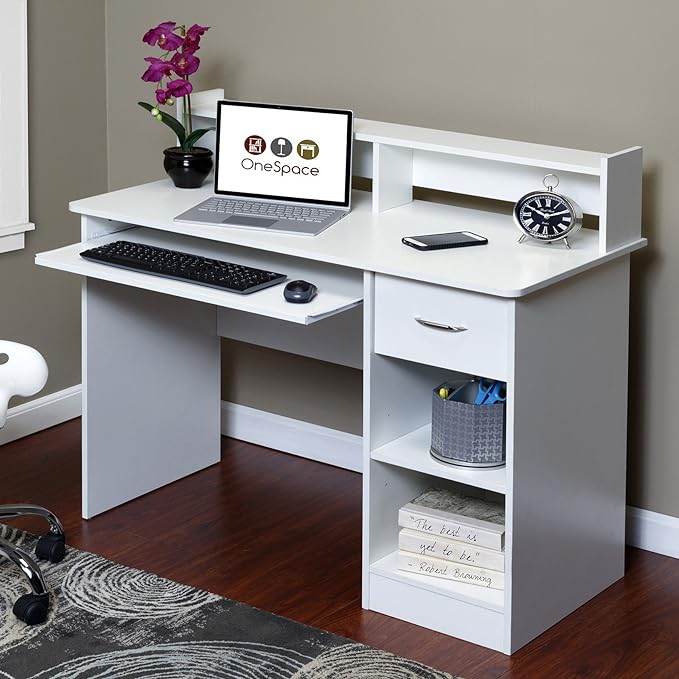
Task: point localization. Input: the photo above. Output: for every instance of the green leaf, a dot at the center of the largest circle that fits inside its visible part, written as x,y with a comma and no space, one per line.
170,121
191,140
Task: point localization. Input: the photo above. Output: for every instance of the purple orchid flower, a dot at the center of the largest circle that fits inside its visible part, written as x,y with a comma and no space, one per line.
192,38
162,95
185,63
157,70
170,75
179,88
163,36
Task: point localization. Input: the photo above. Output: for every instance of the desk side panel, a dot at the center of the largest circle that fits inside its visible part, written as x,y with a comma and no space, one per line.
567,428
151,392
621,178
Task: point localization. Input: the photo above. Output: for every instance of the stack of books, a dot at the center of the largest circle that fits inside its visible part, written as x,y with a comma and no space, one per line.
453,536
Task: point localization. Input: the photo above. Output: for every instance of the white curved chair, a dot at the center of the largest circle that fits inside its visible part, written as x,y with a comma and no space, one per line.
23,372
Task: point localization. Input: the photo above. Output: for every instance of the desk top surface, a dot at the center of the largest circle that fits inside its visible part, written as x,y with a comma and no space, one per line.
372,241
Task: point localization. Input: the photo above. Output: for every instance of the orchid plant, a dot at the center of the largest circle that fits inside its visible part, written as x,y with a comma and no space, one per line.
171,72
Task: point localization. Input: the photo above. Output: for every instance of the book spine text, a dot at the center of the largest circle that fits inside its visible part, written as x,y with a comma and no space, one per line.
439,568
439,528
449,550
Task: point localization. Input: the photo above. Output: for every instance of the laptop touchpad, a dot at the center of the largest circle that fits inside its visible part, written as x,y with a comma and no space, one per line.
261,222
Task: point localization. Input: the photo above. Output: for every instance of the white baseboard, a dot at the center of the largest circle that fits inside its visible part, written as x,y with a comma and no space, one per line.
42,413
646,530
308,440
653,532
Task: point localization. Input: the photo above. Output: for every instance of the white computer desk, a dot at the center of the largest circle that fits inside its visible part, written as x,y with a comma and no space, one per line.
553,323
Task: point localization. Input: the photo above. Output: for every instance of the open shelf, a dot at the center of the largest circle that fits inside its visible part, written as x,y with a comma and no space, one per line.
412,452
492,599
474,146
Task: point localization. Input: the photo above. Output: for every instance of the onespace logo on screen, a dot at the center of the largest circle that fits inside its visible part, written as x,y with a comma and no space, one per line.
281,147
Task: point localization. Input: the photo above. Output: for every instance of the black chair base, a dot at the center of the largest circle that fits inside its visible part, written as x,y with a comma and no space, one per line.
32,608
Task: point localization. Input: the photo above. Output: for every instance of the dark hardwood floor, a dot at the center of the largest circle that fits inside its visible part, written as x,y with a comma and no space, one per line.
284,534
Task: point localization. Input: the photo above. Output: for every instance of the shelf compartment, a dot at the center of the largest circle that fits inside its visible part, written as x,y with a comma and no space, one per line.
449,607
412,452
474,146
492,599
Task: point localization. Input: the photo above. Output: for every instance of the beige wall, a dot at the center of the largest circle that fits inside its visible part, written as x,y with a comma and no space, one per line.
67,136
590,75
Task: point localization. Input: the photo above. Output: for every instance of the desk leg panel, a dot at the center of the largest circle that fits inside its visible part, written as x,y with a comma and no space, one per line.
567,445
151,392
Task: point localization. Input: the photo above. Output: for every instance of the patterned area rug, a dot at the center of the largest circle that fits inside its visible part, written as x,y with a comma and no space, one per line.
113,622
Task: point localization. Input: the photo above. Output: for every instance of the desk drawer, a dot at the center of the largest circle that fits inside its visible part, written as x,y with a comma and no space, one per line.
459,330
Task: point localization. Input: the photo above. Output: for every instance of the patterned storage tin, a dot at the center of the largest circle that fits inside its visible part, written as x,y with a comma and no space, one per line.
466,434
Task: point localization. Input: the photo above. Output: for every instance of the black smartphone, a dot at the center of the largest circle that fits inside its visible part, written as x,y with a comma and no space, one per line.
441,241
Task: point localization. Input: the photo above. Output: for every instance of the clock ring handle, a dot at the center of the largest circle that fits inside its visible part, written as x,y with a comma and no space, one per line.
440,326
549,184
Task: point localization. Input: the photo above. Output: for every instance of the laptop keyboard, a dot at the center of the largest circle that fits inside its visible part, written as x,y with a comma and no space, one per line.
229,206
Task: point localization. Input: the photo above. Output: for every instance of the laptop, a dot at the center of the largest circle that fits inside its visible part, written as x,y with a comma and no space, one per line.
279,168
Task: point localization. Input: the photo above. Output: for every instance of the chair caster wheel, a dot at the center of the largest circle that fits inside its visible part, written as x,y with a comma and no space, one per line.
51,547
32,608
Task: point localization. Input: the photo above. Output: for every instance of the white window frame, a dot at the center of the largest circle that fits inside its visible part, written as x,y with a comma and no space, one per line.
14,220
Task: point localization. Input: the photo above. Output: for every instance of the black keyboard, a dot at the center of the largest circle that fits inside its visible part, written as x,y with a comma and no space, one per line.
184,266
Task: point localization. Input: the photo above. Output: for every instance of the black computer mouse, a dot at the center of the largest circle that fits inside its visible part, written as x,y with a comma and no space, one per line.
299,292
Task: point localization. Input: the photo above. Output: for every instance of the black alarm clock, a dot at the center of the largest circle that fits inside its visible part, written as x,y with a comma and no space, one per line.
547,216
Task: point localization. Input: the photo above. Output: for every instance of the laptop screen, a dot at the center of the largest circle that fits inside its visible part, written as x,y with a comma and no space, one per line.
284,153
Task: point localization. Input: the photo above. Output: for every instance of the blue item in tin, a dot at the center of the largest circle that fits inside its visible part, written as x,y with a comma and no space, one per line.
490,392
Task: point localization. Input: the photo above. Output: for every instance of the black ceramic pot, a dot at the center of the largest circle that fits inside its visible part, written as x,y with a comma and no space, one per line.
188,169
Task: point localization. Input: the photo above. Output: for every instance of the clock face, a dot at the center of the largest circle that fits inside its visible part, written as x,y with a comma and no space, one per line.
545,216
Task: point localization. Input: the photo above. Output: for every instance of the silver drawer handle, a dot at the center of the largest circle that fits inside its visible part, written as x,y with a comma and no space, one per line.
440,326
